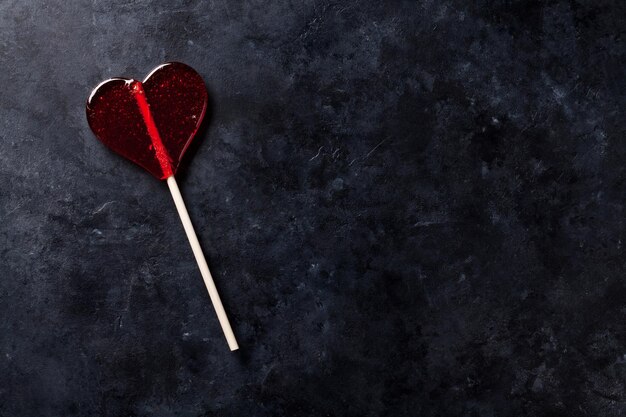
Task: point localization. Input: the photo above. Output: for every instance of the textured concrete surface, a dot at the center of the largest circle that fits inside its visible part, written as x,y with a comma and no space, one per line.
410,208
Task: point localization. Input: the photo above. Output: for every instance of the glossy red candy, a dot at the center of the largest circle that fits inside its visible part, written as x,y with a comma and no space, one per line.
150,122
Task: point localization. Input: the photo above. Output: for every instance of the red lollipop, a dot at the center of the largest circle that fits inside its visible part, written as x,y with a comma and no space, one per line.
152,123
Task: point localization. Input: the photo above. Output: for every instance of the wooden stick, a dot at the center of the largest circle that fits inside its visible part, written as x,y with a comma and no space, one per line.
204,268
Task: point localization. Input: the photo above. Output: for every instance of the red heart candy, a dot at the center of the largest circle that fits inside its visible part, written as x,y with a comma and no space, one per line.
151,123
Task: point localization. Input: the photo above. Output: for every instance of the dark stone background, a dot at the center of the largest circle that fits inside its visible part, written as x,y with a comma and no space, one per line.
410,209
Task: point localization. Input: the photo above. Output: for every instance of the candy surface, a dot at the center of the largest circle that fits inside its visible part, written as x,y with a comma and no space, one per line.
151,123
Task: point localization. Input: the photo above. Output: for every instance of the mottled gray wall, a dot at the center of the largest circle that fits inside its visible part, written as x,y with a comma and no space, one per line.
410,209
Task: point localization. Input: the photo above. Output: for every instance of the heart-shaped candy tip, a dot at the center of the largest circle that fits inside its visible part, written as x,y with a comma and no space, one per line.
151,122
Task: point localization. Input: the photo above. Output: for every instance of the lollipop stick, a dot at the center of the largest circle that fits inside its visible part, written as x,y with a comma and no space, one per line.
204,268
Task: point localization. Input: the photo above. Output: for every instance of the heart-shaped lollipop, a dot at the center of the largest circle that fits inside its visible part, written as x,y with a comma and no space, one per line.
152,123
